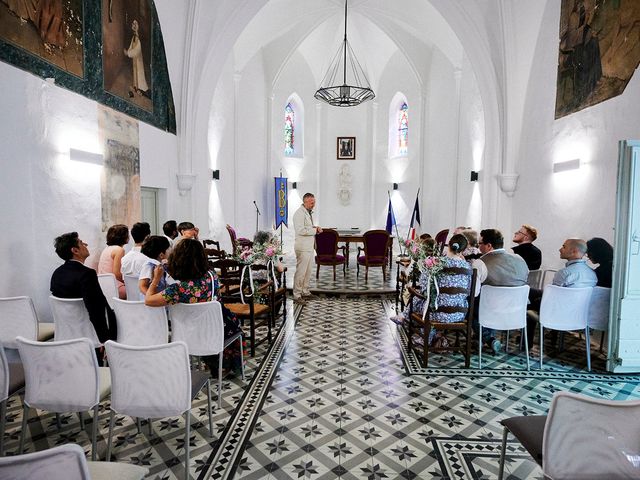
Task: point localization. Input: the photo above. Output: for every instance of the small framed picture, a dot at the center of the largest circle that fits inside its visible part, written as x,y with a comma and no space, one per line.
346,149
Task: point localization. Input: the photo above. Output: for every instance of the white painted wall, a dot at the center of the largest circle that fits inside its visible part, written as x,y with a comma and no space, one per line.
578,203
44,194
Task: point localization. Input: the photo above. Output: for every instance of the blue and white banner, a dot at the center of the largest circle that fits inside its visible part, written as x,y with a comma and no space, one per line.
281,203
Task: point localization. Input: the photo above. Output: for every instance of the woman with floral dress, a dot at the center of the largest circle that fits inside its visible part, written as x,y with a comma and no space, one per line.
452,274
195,283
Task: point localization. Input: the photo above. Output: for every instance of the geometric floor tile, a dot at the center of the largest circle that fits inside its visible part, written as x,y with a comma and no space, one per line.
336,396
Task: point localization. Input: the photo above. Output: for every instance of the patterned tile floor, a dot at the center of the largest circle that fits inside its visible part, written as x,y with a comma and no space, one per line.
343,405
337,396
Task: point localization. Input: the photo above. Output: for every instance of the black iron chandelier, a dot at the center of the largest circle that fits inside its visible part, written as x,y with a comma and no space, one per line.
355,87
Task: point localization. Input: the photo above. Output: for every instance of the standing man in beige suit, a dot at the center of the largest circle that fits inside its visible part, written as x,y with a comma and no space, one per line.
303,246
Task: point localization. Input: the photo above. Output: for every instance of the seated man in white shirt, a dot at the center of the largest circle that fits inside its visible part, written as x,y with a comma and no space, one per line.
575,274
133,261
156,250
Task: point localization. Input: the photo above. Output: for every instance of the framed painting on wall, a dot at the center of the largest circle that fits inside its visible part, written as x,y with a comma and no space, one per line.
51,30
346,148
127,49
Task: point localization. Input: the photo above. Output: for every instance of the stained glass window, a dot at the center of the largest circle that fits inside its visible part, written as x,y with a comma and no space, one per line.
403,129
289,123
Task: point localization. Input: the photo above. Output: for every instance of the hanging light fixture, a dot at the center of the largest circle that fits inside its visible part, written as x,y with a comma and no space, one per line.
355,87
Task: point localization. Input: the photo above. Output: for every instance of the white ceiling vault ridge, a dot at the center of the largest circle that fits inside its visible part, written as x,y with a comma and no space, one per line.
496,37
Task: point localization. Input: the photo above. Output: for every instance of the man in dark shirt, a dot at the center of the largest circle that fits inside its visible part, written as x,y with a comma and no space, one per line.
73,279
531,254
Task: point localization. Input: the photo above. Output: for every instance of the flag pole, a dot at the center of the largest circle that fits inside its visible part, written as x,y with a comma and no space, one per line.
395,224
412,216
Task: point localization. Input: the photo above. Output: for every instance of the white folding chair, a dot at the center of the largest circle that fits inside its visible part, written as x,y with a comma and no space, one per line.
581,437
547,277
109,287
599,311
11,382
139,324
503,308
201,327
565,309
534,279
63,377
154,382
66,462
133,290
71,320
18,319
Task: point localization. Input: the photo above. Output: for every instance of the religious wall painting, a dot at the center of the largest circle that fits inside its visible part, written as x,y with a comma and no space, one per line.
598,53
346,148
120,182
127,50
51,30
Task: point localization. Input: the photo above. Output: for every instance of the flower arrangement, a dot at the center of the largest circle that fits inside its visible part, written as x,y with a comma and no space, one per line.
262,252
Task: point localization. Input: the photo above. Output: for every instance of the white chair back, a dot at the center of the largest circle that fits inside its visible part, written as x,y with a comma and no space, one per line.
599,308
17,319
591,438
564,308
131,285
199,325
547,277
534,280
4,376
109,286
139,324
71,320
149,382
60,376
503,308
66,462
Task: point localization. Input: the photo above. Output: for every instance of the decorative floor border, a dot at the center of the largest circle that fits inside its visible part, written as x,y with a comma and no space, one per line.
227,453
413,366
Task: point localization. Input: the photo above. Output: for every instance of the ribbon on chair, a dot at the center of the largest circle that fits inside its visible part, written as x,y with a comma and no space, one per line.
271,268
246,268
427,301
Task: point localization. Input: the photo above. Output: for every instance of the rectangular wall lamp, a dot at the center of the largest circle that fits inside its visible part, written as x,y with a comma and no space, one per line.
474,176
568,165
294,185
86,157
395,186
216,175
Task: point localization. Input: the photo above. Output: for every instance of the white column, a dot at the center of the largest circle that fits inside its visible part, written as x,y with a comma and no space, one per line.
459,178
321,157
372,121
269,200
236,140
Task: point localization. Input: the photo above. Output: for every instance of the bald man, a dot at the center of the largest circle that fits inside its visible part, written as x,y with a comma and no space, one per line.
576,273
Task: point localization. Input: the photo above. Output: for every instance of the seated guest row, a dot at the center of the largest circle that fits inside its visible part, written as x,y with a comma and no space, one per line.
496,267
191,281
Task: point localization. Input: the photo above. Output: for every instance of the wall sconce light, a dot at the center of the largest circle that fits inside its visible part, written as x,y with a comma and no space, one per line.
216,175
474,176
568,165
86,157
294,185
395,186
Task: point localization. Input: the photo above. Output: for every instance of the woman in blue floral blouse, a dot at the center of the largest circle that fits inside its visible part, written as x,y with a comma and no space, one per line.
195,283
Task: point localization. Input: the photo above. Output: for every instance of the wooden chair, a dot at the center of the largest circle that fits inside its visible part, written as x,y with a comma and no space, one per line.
416,322
213,250
327,251
441,239
376,252
235,241
242,304
279,297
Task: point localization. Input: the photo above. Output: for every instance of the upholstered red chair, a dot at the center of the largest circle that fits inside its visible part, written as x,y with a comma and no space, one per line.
441,239
376,252
327,251
235,241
